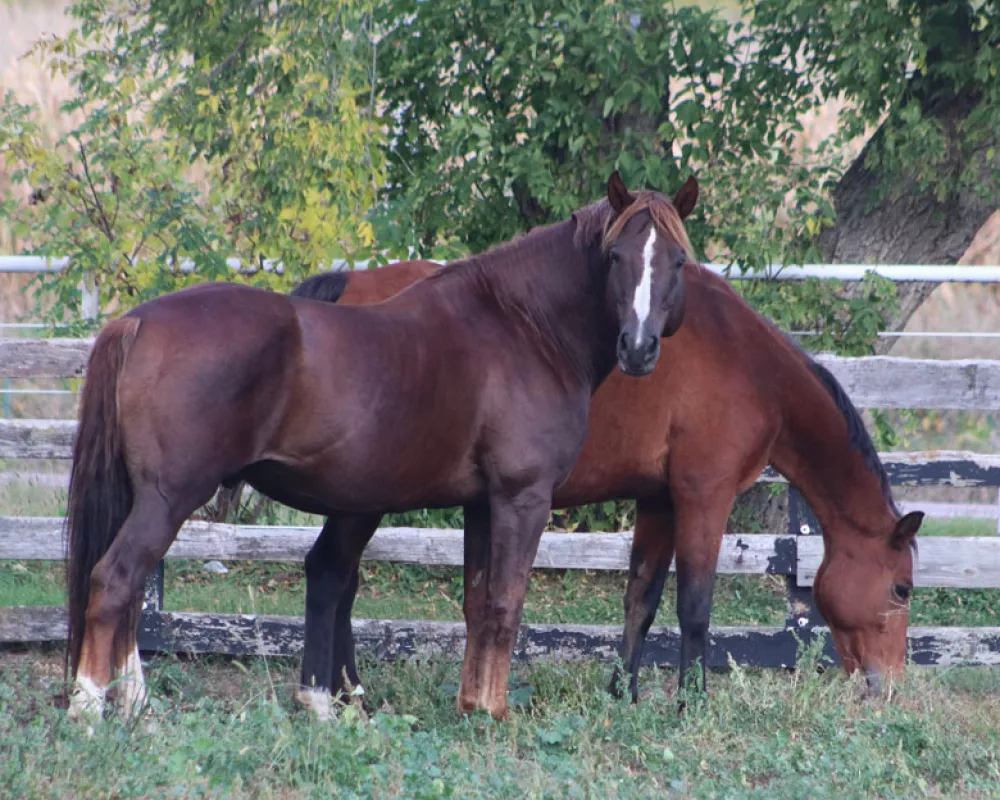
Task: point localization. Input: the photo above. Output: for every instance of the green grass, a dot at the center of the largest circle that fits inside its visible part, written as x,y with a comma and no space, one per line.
397,591
959,526
229,728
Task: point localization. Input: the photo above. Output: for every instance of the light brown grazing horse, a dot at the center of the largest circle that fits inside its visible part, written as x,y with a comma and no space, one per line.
470,388
730,395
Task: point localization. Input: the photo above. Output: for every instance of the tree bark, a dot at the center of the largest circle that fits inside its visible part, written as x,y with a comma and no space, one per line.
909,228
913,226
905,225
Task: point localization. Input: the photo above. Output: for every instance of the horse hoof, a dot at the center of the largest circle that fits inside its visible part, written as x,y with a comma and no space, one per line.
469,707
615,687
317,702
86,704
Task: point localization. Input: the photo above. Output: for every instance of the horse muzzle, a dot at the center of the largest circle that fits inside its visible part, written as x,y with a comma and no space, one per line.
637,356
874,685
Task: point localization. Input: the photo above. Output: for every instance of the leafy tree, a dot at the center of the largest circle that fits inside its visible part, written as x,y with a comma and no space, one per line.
509,115
512,115
923,74
208,131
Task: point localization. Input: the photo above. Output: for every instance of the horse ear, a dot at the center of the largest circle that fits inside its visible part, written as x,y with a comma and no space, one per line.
686,197
906,528
619,197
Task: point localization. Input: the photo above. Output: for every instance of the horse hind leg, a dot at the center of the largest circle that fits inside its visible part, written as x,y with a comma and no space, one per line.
331,582
116,587
130,689
649,564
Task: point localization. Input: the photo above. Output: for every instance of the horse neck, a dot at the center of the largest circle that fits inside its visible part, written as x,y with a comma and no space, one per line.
815,452
553,292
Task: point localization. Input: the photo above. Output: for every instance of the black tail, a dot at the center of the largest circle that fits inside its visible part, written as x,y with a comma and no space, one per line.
326,287
100,491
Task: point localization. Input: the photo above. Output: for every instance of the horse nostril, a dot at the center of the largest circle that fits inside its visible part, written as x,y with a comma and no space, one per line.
649,346
623,341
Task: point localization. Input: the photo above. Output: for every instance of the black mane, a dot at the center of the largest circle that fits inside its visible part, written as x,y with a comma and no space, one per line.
327,287
857,433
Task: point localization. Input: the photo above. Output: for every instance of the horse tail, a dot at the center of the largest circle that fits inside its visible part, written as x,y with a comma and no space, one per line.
100,490
327,287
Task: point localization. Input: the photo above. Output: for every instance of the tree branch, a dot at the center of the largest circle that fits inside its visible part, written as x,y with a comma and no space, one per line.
98,205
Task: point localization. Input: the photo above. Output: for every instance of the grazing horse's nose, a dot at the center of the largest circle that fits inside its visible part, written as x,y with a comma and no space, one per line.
637,355
873,679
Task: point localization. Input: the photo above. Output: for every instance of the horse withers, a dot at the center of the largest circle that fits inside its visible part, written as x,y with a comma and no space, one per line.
470,388
729,395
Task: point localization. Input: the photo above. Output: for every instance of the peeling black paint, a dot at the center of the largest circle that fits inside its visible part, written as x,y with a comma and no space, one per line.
785,557
937,473
946,473
167,631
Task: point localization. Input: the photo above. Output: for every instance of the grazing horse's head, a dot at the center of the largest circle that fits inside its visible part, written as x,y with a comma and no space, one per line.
646,247
863,585
863,590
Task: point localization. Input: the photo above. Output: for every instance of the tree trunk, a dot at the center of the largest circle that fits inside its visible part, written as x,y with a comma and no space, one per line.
906,225
914,226
910,228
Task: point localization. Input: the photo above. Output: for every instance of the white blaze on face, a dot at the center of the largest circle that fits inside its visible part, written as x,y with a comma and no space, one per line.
644,289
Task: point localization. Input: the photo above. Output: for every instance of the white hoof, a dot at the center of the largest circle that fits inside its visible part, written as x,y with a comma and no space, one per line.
86,704
318,702
132,686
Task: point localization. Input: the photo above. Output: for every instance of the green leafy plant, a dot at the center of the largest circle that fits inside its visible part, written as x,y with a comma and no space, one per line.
206,132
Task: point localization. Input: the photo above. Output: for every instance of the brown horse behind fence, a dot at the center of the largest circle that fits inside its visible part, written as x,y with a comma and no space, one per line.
730,395
471,388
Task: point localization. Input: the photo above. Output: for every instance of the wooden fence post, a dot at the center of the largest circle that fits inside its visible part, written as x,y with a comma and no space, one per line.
90,298
152,599
801,614
152,605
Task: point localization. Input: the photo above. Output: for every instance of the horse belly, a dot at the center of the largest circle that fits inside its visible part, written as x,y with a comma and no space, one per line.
371,484
613,476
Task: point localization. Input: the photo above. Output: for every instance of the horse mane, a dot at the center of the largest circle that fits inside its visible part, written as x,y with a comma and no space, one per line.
857,433
326,287
598,220
523,278
858,437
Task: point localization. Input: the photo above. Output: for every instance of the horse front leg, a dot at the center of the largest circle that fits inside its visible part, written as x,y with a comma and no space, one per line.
701,521
649,564
493,610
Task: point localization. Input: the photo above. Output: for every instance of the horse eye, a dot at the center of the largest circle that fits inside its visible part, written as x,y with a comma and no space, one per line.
614,257
680,262
901,592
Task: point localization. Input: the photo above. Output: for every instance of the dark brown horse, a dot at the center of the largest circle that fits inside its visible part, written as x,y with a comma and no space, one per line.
730,395
471,388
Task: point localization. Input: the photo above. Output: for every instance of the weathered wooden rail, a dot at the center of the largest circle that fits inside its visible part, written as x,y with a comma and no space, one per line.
879,382
873,382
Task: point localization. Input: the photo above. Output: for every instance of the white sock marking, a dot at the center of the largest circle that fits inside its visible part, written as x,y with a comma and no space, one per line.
87,702
643,291
132,686
318,701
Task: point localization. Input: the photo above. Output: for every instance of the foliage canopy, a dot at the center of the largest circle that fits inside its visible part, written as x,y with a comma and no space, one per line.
202,132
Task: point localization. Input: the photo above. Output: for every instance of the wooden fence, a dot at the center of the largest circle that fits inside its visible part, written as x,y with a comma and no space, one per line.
878,382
